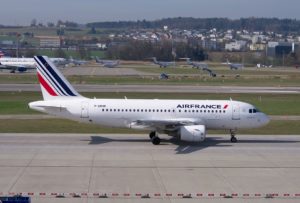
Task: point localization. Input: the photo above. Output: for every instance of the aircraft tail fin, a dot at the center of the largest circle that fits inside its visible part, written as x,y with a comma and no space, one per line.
53,84
155,60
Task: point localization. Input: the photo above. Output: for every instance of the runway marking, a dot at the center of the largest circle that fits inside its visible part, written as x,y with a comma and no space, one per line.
166,196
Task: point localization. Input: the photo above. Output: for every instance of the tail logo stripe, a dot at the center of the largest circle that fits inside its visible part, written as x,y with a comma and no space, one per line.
50,78
46,86
49,82
54,74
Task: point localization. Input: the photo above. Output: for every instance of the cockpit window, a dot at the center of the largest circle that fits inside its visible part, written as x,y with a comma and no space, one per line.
253,111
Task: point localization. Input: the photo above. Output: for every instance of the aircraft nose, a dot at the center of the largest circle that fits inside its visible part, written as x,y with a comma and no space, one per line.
265,119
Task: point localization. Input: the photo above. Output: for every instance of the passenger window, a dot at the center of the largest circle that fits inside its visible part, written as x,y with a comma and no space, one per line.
185,111
138,110
179,111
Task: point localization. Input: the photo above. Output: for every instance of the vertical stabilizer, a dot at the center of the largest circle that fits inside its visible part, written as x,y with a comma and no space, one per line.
53,84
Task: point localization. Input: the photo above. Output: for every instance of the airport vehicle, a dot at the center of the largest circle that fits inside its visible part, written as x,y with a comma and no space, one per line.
234,66
108,63
163,64
187,120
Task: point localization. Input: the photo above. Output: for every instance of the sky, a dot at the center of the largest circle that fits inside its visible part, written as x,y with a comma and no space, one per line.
21,12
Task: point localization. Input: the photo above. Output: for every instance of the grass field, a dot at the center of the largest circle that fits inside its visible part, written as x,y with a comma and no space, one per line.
17,102
178,76
199,80
66,126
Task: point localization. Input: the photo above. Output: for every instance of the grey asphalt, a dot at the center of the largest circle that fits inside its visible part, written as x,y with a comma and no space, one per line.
131,165
161,88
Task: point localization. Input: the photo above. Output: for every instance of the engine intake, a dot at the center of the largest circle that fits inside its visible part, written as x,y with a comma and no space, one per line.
193,133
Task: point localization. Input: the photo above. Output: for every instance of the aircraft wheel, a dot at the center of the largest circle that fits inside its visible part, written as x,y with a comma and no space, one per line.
152,134
155,140
233,139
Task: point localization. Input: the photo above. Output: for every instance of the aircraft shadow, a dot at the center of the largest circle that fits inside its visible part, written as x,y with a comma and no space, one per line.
187,147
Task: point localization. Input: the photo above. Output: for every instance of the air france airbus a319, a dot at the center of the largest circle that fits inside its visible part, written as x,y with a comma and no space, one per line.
187,120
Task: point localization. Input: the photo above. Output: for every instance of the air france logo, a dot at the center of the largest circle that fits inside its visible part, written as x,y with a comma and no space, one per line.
203,106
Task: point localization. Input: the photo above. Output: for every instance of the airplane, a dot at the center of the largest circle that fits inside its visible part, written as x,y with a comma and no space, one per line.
195,64
76,62
163,64
200,65
22,64
234,66
108,63
187,120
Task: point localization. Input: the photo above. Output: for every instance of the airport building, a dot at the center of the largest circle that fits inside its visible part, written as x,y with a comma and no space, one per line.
50,41
278,49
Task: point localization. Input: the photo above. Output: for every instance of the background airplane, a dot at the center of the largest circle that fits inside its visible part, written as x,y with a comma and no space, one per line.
199,65
234,66
163,64
186,120
108,63
22,64
76,62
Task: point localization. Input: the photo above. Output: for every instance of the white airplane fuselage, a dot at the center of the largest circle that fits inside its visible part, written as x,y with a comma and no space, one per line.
214,114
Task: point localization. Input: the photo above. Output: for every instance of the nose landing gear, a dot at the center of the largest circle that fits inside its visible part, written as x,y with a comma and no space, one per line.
233,139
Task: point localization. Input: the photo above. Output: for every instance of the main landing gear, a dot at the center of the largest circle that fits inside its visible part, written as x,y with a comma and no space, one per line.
154,138
233,138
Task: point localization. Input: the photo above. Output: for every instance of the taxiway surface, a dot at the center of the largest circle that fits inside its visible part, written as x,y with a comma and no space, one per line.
162,88
130,164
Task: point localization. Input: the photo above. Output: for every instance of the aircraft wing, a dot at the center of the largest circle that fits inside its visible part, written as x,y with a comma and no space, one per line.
165,124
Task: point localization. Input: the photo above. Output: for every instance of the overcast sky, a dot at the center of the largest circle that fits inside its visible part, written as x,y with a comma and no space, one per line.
21,12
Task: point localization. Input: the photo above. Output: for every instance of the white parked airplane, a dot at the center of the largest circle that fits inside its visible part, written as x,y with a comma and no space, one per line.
186,119
22,64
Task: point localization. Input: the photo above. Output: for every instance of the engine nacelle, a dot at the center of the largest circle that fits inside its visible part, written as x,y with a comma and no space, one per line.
193,133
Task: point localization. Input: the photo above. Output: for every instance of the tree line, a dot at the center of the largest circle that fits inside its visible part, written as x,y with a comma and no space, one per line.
162,50
250,24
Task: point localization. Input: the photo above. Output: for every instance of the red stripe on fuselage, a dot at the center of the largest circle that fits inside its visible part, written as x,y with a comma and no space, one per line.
46,86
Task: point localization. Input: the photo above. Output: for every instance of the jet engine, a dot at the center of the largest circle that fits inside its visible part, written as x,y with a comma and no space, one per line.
193,133
22,69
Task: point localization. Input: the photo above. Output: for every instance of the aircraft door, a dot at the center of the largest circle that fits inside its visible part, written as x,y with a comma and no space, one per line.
84,109
236,112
